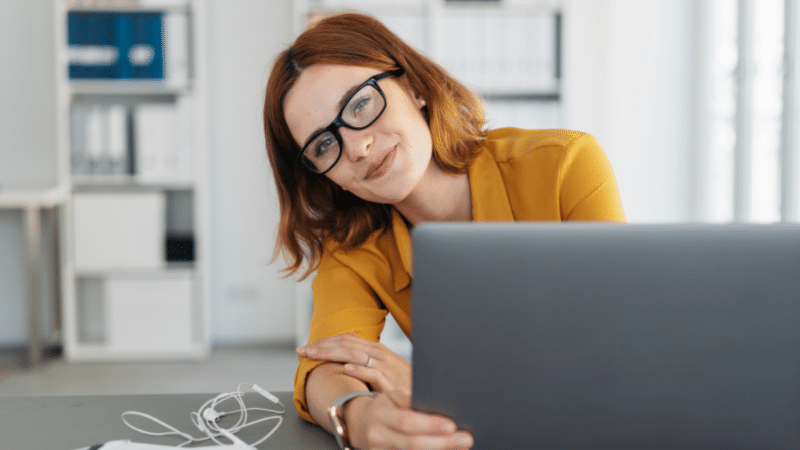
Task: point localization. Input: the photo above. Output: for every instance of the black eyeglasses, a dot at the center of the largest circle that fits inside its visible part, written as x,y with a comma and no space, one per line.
361,109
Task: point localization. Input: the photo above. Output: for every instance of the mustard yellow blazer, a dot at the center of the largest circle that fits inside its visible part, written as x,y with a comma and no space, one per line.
520,175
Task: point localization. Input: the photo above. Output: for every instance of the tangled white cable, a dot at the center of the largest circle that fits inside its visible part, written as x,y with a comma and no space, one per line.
207,417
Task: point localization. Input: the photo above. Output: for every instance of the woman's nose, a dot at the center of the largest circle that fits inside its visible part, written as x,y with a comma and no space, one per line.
357,143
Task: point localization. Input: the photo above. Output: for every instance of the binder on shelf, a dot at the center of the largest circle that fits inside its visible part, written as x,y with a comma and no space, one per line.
99,139
176,43
146,46
162,148
117,139
148,140
80,160
95,137
116,45
127,4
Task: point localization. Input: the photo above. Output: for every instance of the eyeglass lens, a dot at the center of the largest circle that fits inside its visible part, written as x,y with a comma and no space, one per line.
361,111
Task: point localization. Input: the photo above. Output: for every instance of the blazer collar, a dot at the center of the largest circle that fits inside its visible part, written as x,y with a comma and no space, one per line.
402,236
489,203
489,196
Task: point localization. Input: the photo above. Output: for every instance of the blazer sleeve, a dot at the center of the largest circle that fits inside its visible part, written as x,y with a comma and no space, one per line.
587,187
343,303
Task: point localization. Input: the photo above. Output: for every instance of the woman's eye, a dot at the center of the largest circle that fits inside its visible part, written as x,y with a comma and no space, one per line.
360,104
324,146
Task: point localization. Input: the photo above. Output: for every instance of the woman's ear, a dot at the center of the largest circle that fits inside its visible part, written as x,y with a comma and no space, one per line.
420,102
416,98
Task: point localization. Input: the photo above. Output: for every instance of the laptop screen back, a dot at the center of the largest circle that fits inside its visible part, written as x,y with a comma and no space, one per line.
610,336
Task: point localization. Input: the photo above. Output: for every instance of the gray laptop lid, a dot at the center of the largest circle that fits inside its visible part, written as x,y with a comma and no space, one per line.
572,336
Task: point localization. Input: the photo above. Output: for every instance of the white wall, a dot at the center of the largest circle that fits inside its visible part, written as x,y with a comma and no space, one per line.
249,299
27,148
628,80
28,92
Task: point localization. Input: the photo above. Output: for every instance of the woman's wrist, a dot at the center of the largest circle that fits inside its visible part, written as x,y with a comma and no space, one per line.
354,415
338,418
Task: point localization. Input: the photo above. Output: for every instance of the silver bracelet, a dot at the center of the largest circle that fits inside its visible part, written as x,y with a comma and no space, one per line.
337,420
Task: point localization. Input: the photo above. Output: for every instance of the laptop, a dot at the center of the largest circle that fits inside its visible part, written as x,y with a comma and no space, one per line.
594,336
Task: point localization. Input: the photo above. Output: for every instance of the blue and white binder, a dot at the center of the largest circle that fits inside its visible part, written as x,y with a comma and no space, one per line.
116,45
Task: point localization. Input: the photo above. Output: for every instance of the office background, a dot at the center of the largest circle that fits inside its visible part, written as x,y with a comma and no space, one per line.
638,74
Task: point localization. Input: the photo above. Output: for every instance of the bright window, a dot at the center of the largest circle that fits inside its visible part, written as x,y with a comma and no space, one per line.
752,175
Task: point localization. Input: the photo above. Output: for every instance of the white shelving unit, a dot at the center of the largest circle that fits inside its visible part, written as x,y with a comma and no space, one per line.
507,51
135,232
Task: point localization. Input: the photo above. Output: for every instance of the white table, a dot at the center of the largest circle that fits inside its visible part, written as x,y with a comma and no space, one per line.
31,203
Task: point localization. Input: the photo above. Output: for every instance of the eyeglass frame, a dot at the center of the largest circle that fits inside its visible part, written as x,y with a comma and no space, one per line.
338,122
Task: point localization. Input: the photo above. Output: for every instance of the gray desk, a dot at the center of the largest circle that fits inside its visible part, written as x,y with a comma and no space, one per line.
69,423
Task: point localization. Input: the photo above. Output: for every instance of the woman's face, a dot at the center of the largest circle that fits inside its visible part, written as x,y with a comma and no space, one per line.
382,163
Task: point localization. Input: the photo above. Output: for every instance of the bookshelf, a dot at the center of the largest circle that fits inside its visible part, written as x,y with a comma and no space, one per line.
132,104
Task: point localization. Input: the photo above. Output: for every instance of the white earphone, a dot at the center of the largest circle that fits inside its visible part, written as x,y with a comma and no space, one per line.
210,415
207,417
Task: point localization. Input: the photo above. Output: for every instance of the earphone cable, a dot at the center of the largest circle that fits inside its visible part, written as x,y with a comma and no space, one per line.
209,426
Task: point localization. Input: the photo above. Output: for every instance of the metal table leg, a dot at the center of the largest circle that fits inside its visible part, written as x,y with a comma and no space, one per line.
33,227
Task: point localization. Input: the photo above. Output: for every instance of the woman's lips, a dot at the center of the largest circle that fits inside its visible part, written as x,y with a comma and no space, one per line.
378,170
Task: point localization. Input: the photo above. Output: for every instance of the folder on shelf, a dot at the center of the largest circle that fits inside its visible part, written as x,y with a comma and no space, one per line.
81,164
116,45
176,49
161,147
150,140
130,46
95,137
117,139
99,139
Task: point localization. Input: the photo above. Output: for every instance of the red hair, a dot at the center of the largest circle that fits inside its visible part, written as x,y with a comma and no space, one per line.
313,208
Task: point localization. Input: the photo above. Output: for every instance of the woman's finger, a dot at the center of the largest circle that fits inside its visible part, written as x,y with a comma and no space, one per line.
338,354
350,340
343,348
393,425
373,375
371,362
407,421
404,428
400,397
391,439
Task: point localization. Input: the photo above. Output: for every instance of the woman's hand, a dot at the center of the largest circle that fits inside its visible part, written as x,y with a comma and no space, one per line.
370,362
387,422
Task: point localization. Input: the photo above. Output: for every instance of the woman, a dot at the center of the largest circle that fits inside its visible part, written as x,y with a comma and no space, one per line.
367,138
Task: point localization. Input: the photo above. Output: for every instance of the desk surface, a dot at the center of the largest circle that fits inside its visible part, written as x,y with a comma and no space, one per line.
40,198
69,423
